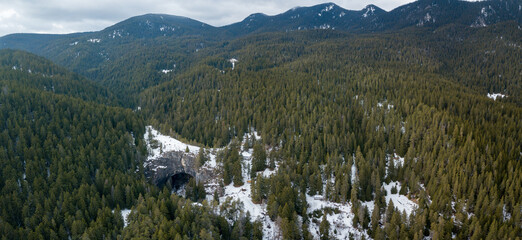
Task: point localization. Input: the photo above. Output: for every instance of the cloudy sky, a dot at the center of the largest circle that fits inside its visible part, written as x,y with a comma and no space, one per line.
66,16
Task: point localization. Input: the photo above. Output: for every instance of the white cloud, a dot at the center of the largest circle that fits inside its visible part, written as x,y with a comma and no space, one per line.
57,16
7,14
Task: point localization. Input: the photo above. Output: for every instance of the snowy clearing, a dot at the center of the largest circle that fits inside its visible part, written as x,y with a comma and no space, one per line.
340,220
494,96
158,143
401,202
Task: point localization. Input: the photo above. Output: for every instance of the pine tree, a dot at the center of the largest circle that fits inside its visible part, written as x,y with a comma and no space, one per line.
324,228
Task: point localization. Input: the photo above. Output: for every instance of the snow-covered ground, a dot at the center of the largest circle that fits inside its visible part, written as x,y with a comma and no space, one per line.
257,211
340,220
165,144
401,202
125,214
494,96
243,194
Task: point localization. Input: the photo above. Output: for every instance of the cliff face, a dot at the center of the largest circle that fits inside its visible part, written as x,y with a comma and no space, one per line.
160,170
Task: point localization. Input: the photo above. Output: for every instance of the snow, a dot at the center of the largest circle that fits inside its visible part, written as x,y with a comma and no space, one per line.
94,40
165,28
166,143
124,214
74,43
400,202
370,10
398,161
340,219
480,22
484,12
324,26
354,171
494,96
326,9
505,214
427,18
257,211
242,194
166,71
116,33
233,61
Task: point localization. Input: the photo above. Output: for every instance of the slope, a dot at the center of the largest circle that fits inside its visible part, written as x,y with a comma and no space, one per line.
31,71
332,106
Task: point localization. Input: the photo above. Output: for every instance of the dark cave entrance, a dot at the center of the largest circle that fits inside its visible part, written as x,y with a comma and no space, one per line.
178,181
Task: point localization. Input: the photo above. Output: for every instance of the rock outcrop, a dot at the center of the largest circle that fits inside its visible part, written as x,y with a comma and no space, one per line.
161,170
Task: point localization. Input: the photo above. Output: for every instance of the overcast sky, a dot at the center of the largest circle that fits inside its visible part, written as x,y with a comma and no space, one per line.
66,16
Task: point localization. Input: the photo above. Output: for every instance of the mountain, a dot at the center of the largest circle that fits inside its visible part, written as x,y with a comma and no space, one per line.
368,124
420,13
323,16
436,13
156,46
157,25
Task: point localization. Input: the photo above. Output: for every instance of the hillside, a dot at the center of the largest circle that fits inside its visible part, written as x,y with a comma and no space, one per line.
316,123
148,44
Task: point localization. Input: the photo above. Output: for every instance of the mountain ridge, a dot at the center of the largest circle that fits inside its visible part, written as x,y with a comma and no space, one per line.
418,13
148,44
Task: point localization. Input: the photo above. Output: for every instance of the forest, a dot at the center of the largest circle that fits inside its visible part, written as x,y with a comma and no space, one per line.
324,102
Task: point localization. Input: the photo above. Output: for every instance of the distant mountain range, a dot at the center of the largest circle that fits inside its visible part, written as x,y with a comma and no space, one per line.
143,45
422,13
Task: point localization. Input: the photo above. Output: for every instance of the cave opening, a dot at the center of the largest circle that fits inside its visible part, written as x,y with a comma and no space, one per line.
178,182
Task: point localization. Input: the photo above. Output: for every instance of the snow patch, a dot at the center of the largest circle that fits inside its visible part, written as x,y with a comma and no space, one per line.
158,143
400,202
165,28
166,71
124,215
340,219
354,171
116,33
326,9
370,10
243,194
324,26
74,43
233,61
94,40
494,96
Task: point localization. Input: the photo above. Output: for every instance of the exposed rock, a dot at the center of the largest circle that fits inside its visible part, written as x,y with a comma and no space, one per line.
160,170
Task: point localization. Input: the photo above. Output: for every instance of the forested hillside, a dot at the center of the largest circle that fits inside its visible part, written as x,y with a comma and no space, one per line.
318,98
404,131
68,165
